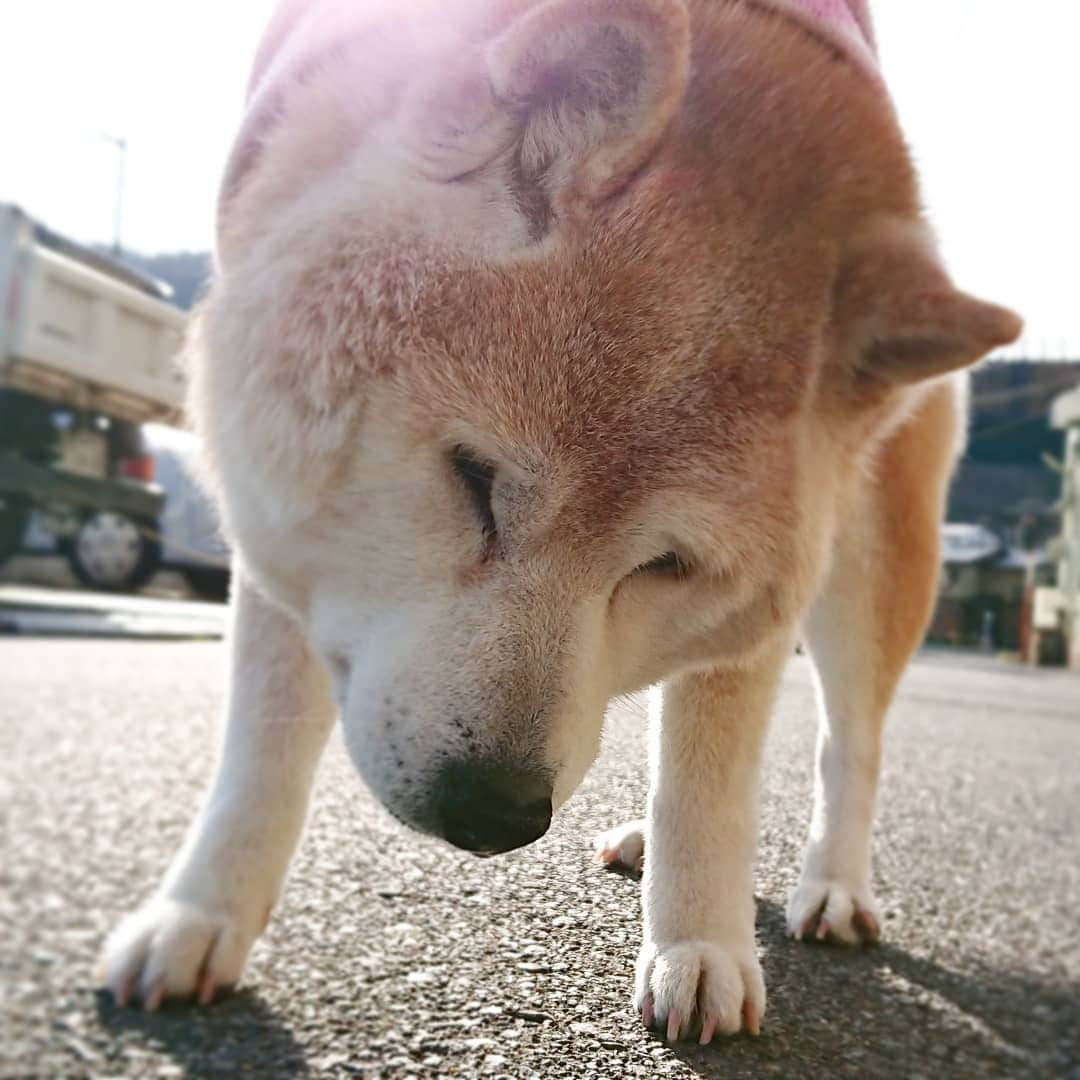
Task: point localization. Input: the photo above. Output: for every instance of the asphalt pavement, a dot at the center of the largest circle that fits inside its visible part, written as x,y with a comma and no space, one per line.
395,956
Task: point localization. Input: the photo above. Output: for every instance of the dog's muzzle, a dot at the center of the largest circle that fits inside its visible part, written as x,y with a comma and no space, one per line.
489,809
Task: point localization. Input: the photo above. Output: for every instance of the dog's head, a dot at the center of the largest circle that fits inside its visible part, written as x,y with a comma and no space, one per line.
544,336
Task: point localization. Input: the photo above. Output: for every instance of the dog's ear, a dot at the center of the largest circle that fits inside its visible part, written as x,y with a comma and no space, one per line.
901,320
575,93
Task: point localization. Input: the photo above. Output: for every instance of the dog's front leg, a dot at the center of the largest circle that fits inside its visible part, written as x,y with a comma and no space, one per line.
195,933
698,970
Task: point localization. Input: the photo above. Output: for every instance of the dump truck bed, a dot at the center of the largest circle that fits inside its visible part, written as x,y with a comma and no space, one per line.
80,329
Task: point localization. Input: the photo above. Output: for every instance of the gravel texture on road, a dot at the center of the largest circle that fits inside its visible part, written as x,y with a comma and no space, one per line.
392,955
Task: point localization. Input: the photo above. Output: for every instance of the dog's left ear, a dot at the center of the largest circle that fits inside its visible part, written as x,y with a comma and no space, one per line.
578,91
901,320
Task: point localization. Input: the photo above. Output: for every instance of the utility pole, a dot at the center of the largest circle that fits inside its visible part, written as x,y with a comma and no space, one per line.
118,209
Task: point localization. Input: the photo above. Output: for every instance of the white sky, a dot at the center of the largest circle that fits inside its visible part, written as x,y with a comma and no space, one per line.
989,91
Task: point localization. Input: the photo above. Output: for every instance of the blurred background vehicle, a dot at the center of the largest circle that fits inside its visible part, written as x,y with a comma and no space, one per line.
191,540
190,555
88,351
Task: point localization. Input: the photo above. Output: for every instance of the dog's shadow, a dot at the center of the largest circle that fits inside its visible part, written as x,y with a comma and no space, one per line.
881,1011
836,1012
241,1036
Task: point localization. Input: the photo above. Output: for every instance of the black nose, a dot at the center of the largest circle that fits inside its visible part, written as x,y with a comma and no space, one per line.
489,809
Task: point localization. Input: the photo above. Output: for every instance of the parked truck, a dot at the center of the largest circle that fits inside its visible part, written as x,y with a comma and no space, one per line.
88,353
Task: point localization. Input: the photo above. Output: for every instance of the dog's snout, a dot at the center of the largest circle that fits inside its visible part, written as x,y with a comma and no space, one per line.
488,809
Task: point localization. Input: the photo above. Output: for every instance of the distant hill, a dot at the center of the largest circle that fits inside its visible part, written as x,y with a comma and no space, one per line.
186,271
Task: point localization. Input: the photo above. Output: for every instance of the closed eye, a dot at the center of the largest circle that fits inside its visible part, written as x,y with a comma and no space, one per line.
670,563
477,476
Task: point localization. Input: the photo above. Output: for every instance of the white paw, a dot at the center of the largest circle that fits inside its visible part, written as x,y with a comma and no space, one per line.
622,846
172,949
698,987
831,911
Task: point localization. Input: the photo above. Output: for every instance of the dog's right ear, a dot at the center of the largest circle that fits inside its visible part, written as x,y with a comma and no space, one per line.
574,95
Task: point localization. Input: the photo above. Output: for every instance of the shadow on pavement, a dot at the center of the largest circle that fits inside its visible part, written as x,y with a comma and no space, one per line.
240,1036
881,1012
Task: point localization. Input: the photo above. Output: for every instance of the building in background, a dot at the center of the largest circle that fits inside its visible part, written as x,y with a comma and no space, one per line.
1004,508
1004,482
1065,417
981,598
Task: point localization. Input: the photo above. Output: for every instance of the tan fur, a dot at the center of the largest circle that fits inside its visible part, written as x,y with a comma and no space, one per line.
911,481
662,264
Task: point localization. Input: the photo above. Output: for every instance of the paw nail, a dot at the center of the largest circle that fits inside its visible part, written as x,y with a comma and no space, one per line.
750,1019
206,990
673,1025
647,1015
868,924
154,998
123,993
822,930
708,1030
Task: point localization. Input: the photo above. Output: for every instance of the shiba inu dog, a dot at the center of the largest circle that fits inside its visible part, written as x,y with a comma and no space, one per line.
557,349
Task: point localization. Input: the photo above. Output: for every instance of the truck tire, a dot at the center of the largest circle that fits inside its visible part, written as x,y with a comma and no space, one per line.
14,516
113,552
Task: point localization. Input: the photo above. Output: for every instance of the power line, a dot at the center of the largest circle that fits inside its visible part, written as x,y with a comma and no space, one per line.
1017,393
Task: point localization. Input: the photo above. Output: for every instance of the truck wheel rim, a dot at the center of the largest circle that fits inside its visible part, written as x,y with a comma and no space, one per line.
109,547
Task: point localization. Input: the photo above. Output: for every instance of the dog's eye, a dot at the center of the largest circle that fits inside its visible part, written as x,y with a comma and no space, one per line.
669,563
478,476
